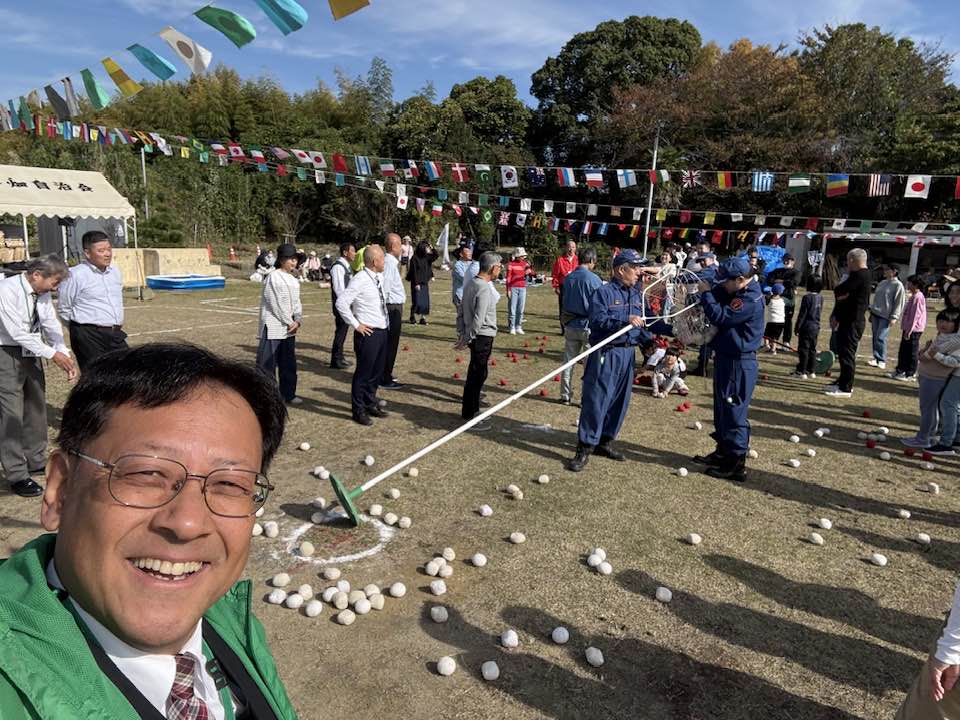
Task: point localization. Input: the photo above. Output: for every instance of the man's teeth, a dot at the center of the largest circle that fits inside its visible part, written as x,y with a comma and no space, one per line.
165,567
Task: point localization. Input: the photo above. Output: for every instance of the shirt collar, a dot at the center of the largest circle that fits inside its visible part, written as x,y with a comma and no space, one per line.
95,269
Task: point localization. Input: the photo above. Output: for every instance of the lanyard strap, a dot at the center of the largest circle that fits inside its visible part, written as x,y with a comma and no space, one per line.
213,667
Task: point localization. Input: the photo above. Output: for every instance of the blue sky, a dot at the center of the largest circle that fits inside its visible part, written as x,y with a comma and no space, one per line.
446,41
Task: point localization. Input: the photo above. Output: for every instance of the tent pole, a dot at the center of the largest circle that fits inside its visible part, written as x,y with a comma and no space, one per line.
143,168
126,230
646,229
63,234
26,237
137,258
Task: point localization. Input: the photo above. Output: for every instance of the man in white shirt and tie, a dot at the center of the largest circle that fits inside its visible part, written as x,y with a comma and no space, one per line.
91,301
340,274
363,306
395,295
29,332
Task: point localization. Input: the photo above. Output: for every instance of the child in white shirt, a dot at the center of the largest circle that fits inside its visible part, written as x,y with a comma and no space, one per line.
776,318
666,377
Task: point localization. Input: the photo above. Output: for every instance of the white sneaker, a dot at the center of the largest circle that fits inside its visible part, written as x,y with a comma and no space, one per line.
812,376
513,331
297,401
803,376
520,331
872,362
882,365
837,392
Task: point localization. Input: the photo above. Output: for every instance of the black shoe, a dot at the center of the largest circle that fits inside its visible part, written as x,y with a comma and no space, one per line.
340,365
606,449
392,385
26,488
714,459
377,412
579,461
423,321
362,419
735,468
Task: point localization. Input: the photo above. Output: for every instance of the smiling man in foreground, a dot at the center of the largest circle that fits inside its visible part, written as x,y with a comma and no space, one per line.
133,609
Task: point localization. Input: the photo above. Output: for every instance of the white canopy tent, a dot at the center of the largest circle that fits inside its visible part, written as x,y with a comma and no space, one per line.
53,192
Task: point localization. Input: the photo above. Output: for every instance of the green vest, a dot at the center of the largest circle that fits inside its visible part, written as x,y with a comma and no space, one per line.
47,670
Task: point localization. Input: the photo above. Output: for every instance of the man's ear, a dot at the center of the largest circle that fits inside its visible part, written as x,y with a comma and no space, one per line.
55,494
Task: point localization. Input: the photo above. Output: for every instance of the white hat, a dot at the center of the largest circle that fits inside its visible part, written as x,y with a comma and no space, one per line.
519,252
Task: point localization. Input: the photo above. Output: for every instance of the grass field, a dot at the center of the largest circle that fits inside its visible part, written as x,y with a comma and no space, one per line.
762,624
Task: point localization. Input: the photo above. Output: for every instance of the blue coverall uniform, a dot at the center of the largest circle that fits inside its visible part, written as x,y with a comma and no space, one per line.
707,275
608,379
740,323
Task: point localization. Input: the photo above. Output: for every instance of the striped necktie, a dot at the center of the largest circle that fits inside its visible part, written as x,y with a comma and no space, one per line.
182,703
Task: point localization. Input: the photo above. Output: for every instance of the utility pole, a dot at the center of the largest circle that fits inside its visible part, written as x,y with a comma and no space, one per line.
143,168
656,151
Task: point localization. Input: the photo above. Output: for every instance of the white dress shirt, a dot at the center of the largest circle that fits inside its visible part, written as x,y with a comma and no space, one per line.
152,675
340,275
363,302
393,290
17,303
92,297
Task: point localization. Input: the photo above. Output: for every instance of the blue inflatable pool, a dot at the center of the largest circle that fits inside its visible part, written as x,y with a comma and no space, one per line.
186,282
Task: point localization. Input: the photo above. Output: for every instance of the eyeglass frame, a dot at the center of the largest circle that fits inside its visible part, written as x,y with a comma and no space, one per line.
187,475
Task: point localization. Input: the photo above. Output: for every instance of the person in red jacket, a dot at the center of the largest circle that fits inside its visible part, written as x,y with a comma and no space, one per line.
518,269
563,266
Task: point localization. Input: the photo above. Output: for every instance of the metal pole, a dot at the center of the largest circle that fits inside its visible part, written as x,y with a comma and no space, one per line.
646,230
26,237
143,168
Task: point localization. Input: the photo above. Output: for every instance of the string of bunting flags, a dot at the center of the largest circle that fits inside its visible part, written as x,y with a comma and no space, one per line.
568,216
287,15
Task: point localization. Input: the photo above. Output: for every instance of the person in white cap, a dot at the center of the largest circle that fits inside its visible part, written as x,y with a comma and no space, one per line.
518,269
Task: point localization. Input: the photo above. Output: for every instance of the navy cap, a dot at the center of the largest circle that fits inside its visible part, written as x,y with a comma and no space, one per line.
778,289
733,268
708,256
627,256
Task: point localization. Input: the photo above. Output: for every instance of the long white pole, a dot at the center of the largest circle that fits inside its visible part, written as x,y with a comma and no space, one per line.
26,237
646,230
143,168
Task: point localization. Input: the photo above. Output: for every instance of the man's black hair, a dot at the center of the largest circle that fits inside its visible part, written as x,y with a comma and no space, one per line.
950,315
160,374
814,284
586,255
93,237
345,247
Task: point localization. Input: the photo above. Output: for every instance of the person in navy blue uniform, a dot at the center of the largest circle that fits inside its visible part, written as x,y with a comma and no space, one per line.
734,305
707,273
608,378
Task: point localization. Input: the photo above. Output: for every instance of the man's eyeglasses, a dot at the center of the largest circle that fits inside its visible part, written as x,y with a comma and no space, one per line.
147,482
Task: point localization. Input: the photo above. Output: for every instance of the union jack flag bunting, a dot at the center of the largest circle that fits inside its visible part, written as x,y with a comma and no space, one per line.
690,178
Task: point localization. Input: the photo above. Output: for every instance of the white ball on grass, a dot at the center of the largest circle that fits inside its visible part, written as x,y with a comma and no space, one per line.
825,431
257,529
319,503
682,472
815,538
933,488
793,462
318,469
346,617
594,560
271,529
878,559
393,493
432,568
318,518
923,538
439,560
794,438
517,538
329,594
929,466
343,586
811,452
560,635
260,512
305,591
314,608
543,479
390,518
368,461
331,573
294,601
753,454
413,472
818,433
885,455
276,597
362,607
404,523
479,560
486,511
438,587
446,666
377,601
509,638
698,425
694,539
904,514
605,568
371,589
355,596
398,590
324,475
304,446
861,435
664,594
446,571
825,523
490,671
341,600
376,510
601,552
884,431
439,614
512,489
518,495
594,656
280,580
448,554
307,549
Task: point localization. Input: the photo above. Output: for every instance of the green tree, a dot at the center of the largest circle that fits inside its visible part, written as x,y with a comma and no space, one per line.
492,110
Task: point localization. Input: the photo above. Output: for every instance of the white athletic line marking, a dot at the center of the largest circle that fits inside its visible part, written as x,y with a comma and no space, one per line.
217,300
194,327
385,532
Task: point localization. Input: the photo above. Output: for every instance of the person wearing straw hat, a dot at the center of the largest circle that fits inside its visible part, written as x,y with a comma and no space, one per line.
518,269
281,315
608,378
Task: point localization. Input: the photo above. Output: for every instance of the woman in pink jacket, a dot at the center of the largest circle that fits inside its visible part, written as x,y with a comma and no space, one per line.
913,322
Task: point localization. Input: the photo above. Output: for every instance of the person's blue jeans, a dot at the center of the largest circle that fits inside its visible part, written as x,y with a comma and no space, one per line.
518,299
279,357
881,328
949,411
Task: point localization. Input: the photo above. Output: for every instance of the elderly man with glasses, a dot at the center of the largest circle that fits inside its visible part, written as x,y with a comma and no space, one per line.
133,609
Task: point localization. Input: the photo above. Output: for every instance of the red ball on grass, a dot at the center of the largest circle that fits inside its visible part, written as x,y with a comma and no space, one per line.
459,360
502,382
556,378
867,413
526,357
871,444
406,348
926,457
493,363
543,393
456,376
909,452
539,350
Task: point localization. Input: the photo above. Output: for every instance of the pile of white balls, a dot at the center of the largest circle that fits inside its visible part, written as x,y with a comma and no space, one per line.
349,602
514,492
597,559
